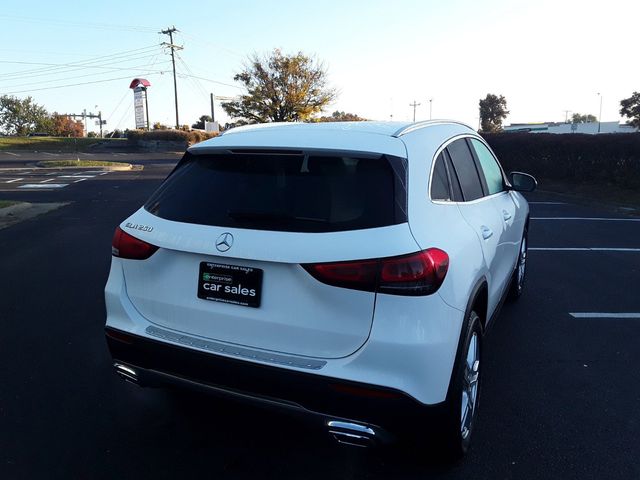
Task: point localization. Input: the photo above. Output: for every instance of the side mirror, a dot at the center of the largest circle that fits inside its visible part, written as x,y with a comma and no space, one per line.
522,182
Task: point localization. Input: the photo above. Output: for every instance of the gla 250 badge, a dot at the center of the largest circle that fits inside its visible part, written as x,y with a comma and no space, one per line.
136,226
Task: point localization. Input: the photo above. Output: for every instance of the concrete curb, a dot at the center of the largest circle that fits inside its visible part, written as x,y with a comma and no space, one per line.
115,168
26,211
13,209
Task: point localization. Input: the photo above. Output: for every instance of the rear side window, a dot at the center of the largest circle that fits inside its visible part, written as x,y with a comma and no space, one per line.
490,167
293,192
440,181
465,168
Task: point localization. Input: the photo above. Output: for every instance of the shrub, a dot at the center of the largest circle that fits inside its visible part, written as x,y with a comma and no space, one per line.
191,137
576,158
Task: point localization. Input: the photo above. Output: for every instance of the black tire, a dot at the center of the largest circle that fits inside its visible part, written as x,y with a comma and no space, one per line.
517,281
446,442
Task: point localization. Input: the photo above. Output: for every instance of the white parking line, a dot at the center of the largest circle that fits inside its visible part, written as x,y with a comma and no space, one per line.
582,249
39,185
590,219
47,180
604,315
81,180
76,176
14,180
14,154
51,154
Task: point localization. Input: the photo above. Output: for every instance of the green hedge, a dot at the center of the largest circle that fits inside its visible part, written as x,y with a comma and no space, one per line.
192,136
575,158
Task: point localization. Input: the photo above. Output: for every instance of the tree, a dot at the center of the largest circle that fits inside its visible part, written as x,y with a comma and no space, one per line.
159,126
493,109
280,88
63,126
21,117
340,117
631,109
200,123
579,118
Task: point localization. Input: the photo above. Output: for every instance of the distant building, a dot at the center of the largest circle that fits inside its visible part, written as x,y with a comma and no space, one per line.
561,127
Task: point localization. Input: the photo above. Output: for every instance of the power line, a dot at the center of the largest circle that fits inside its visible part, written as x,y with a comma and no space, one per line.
113,58
77,84
195,82
214,45
108,118
134,68
103,26
215,81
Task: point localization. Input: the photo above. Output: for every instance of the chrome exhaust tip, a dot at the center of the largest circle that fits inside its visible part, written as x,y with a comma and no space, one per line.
348,433
126,373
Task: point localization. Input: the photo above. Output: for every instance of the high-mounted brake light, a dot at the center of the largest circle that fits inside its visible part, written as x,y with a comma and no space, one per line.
419,273
127,246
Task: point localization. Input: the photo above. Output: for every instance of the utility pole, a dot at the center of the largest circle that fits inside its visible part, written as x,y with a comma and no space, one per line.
600,115
170,32
213,113
430,108
414,105
566,115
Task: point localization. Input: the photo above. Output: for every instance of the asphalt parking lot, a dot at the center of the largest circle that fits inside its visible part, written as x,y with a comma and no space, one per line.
561,387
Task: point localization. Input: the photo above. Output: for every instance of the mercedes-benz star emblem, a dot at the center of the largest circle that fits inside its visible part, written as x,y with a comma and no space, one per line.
224,242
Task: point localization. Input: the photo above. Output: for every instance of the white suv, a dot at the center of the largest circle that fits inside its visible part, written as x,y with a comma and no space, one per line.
348,270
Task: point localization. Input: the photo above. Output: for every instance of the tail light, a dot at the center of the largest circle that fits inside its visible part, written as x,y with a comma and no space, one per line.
126,246
419,273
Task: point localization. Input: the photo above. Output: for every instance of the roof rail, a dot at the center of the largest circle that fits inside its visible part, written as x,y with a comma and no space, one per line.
427,123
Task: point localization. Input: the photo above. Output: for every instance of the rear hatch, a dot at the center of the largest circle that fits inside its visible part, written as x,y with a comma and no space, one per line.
235,228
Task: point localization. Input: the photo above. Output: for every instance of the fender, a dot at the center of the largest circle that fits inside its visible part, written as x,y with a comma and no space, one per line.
480,284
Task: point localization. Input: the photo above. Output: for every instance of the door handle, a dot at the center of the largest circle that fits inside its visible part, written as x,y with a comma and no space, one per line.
486,232
506,215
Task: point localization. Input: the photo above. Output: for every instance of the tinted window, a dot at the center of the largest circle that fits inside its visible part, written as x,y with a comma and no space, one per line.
456,192
288,192
440,181
465,168
490,167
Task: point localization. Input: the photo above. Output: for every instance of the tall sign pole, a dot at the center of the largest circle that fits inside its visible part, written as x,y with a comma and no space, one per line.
140,88
170,32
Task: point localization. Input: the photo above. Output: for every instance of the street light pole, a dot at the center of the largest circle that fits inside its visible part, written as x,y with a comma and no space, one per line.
430,108
600,115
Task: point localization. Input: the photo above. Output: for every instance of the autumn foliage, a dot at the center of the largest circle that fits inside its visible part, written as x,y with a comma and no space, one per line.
63,126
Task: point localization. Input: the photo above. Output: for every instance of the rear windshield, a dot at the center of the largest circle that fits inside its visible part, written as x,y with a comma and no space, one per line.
293,192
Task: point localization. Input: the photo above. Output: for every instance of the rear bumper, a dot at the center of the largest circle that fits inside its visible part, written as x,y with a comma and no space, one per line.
157,363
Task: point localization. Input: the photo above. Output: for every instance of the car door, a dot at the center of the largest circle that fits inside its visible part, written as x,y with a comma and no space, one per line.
495,185
480,213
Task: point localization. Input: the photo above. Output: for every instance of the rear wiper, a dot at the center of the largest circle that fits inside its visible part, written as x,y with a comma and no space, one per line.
249,215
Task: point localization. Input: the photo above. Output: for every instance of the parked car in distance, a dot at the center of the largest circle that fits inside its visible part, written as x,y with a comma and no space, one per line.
346,270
